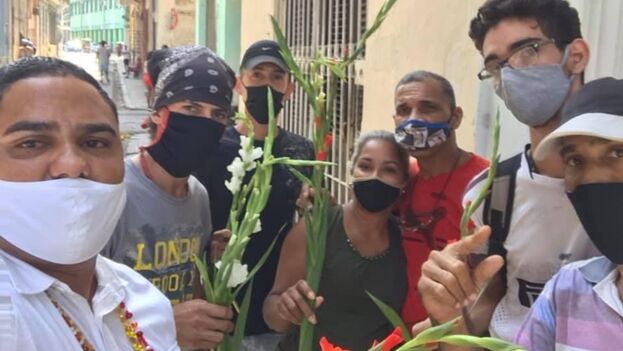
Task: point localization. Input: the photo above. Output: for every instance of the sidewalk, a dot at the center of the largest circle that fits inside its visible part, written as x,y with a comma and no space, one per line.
131,91
129,96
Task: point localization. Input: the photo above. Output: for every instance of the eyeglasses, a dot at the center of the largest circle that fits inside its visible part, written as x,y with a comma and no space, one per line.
524,56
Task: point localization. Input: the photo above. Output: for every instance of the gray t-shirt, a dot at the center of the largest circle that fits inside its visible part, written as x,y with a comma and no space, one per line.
103,55
157,233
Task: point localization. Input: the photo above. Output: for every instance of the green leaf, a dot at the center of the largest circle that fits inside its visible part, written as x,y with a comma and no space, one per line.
261,262
391,315
295,70
430,335
299,175
474,341
236,340
205,277
486,185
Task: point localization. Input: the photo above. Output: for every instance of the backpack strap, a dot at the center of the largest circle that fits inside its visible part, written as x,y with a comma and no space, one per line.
498,205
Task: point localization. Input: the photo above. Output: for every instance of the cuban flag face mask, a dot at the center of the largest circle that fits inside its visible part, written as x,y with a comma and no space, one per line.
420,135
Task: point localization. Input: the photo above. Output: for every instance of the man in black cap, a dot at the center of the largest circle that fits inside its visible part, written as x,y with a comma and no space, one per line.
586,295
262,67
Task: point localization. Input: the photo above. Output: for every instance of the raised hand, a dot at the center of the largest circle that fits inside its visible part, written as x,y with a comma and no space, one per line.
449,283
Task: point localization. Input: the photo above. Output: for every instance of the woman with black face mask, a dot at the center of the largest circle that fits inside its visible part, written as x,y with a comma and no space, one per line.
363,253
167,217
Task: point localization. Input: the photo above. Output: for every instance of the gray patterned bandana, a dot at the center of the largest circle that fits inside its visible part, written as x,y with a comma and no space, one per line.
197,74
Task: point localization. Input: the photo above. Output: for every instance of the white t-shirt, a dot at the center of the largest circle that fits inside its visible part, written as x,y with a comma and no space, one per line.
545,234
29,321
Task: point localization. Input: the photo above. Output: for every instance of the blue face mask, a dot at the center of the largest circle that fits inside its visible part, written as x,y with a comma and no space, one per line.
420,135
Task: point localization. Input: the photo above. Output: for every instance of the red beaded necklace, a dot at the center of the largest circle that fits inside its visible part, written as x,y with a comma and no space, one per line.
134,335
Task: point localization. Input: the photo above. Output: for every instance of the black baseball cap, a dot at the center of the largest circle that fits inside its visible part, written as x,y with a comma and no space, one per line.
263,51
595,110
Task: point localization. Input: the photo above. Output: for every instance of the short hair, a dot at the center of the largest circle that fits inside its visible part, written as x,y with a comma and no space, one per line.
557,19
401,151
154,63
421,76
41,66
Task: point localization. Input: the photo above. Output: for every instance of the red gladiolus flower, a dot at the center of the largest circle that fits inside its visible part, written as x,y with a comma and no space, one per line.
394,339
325,345
320,156
317,122
328,141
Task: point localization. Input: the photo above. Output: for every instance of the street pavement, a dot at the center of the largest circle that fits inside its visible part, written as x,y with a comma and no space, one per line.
128,94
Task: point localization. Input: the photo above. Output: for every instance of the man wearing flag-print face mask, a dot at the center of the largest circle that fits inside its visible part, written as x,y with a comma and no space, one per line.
61,172
167,218
426,119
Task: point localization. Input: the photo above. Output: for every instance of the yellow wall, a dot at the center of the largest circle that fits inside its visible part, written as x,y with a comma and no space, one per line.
426,35
184,32
255,22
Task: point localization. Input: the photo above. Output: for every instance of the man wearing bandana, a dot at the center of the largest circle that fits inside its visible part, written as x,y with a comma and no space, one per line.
262,68
580,308
167,216
426,119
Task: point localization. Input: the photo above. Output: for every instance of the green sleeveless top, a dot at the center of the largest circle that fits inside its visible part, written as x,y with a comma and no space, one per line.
348,318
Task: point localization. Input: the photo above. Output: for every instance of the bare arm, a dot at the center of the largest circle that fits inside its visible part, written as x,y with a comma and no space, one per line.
287,302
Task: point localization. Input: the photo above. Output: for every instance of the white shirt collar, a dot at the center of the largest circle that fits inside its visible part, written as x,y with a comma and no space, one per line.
29,280
603,274
26,279
596,269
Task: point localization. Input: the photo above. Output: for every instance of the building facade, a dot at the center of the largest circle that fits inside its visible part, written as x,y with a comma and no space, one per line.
417,35
97,20
34,20
5,31
175,22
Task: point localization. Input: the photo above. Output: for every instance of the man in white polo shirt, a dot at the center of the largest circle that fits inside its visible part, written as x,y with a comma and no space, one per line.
61,172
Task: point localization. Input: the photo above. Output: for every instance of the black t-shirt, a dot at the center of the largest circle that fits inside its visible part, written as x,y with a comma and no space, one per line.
276,218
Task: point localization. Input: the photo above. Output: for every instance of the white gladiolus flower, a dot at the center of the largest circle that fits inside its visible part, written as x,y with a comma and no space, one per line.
236,168
245,142
248,153
249,156
234,184
258,226
239,273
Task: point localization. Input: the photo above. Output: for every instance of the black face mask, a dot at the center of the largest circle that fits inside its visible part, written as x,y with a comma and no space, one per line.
374,195
257,102
186,143
600,209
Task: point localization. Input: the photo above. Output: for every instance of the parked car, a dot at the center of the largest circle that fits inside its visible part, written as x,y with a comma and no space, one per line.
72,46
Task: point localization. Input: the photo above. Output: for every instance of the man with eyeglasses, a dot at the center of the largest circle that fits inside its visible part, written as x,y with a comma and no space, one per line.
534,56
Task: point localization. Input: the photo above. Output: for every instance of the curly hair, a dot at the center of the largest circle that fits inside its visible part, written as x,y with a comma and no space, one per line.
557,19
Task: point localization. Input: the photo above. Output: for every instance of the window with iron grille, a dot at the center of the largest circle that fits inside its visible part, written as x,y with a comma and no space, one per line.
329,27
